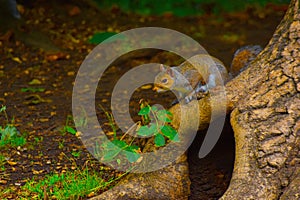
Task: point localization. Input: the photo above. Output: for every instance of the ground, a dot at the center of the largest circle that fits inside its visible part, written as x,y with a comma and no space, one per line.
46,50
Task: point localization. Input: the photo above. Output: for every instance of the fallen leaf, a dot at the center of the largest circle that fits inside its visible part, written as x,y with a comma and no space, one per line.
12,163
78,134
58,167
3,181
91,194
104,100
75,10
44,120
16,59
37,171
57,56
71,73
34,99
35,82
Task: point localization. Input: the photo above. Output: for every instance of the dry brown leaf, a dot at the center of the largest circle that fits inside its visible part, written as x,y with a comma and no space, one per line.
12,163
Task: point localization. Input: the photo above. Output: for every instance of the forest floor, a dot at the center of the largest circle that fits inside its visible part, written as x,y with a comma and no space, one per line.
45,50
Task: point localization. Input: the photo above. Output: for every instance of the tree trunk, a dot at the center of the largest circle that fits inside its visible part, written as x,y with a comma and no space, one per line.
264,102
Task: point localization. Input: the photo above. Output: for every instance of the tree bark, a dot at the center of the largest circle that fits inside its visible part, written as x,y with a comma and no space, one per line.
264,102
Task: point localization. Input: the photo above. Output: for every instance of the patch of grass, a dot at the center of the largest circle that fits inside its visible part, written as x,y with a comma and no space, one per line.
76,153
9,135
61,144
38,139
2,163
68,127
5,192
69,185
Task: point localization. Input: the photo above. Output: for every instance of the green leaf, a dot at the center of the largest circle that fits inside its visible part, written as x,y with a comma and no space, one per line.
35,81
118,161
163,116
159,140
144,111
153,128
112,149
115,144
3,108
154,108
101,36
169,113
176,138
131,153
71,130
145,131
76,153
132,148
170,133
107,145
109,155
132,156
30,89
119,143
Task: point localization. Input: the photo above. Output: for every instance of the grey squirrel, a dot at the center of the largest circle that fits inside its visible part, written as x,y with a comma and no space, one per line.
187,82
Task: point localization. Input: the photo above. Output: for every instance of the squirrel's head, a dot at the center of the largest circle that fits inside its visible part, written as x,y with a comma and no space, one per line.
164,80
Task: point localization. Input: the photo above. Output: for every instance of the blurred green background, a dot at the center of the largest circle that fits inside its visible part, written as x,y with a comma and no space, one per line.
184,7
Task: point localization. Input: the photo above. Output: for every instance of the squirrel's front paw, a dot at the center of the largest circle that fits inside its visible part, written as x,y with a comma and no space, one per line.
189,98
201,95
201,88
184,100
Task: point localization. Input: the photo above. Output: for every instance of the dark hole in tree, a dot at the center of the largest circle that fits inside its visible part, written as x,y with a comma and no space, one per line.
210,176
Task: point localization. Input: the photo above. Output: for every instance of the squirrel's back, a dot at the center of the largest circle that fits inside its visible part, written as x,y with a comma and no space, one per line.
205,64
243,57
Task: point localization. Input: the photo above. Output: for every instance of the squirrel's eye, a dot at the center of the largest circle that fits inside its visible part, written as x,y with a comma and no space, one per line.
164,80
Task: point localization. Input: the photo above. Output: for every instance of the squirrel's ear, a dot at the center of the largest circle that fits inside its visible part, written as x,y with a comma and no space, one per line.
162,68
169,71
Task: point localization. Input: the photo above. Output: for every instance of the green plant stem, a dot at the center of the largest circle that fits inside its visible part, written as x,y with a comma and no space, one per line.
5,115
110,119
130,129
156,120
